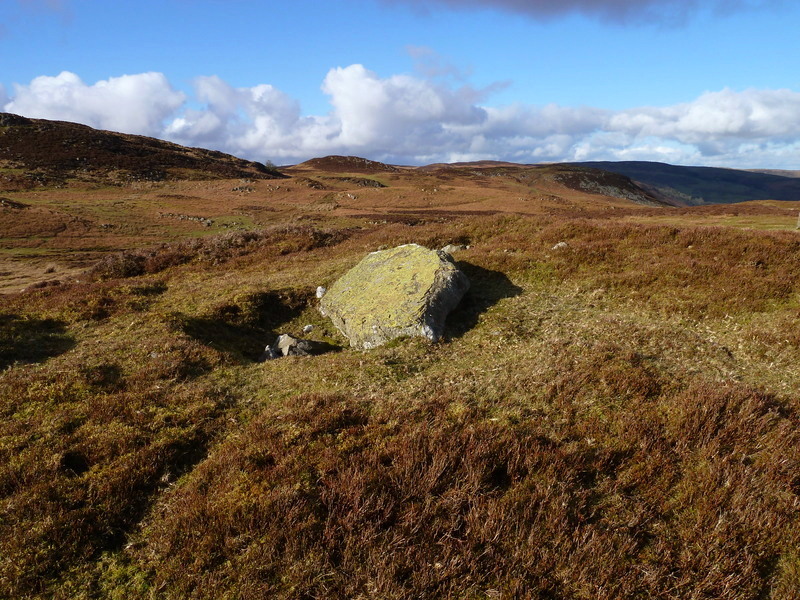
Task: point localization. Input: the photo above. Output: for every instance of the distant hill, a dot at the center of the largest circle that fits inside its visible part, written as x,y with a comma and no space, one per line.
705,185
36,152
39,151
571,176
345,164
477,164
609,183
779,172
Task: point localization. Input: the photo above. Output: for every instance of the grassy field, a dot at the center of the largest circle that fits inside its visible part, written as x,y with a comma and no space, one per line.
617,418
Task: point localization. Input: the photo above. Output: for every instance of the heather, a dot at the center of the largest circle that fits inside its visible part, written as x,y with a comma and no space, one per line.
617,417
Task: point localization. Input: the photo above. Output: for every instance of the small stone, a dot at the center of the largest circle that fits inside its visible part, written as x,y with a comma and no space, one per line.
451,248
560,246
268,354
308,329
321,291
288,345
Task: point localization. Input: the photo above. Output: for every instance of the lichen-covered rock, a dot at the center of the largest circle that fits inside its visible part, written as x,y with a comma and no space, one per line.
404,291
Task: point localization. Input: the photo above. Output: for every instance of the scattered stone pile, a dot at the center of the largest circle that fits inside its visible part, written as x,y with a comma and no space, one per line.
288,345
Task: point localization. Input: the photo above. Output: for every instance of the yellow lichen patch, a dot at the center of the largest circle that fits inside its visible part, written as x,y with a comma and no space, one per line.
404,291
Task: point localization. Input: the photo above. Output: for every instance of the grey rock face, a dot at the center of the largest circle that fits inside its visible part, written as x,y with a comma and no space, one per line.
404,291
287,345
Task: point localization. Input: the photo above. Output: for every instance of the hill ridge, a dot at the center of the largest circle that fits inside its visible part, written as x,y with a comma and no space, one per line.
37,151
349,164
695,185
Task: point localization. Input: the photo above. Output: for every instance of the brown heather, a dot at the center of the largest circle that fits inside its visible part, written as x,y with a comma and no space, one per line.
614,419
327,497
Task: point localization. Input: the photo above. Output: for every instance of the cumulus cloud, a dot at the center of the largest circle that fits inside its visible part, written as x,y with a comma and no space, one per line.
415,120
723,115
130,103
399,116
231,115
379,111
619,11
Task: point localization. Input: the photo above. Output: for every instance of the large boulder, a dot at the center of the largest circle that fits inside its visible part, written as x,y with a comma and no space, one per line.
405,291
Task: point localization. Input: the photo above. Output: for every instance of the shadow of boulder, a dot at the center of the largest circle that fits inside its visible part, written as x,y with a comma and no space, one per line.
244,327
486,289
27,340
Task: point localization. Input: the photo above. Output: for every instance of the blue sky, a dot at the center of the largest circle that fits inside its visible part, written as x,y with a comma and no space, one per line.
710,82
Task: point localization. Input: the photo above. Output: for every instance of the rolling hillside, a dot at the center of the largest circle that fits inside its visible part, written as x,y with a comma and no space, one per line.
613,410
39,152
705,185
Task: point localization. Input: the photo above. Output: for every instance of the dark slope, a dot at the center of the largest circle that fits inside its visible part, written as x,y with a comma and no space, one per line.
573,176
345,164
704,185
609,183
37,151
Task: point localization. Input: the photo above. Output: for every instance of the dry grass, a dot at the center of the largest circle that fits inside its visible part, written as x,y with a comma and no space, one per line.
613,419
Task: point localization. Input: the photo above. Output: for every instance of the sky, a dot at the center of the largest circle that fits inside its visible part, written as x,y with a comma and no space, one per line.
690,82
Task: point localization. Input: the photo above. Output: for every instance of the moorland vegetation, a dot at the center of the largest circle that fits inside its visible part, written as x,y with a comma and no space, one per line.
613,411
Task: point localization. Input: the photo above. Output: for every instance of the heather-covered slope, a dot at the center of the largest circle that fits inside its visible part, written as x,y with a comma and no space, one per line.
705,185
37,152
344,164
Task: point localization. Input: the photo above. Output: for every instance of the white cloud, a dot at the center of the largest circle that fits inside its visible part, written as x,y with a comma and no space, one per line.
259,122
399,117
232,116
415,120
130,103
719,115
375,111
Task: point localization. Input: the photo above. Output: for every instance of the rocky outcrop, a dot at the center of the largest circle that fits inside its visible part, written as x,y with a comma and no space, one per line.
404,291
